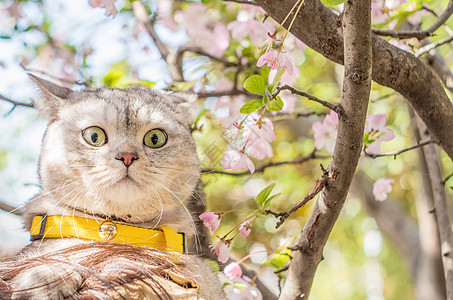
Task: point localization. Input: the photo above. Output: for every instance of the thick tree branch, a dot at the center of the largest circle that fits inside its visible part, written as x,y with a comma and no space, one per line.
395,153
317,26
260,169
356,26
441,209
421,34
233,92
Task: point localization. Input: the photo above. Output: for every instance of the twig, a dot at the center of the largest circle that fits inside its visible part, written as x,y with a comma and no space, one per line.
142,16
444,181
251,2
233,92
394,154
10,209
420,34
284,117
198,50
431,46
270,164
335,108
15,104
326,178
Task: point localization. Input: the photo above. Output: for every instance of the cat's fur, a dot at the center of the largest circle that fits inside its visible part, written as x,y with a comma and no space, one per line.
82,180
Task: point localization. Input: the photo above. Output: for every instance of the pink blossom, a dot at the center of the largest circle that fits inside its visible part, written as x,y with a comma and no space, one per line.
289,102
236,161
256,30
326,132
382,187
260,149
375,126
109,5
233,271
245,228
221,249
254,131
241,289
276,60
211,220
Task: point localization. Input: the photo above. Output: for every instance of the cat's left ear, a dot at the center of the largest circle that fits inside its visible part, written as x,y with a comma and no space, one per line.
186,103
52,97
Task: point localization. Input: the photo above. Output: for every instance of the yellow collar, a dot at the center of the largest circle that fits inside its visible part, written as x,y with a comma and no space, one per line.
56,227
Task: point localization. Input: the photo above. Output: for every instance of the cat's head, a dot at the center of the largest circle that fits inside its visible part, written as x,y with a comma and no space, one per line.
117,152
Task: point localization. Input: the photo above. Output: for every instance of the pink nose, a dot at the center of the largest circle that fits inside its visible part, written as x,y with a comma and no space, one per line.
127,158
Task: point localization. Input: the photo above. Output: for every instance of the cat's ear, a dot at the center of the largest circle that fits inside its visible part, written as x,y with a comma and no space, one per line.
186,103
52,97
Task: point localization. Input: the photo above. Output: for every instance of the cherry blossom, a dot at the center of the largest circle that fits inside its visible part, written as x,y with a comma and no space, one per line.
221,249
375,126
211,220
109,5
245,228
326,132
382,187
233,271
276,60
236,161
289,102
241,289
260,149
264,129
256,30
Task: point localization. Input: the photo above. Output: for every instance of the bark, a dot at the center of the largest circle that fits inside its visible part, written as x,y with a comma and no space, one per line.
354,102
318,27
440,208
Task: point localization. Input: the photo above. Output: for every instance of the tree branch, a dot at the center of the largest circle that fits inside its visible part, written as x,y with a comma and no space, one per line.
260,169
10,209
434,45
142,16
233,92
356,25
326,178
394,154
16,104
198,50
441,209
392,67
421,34
335,108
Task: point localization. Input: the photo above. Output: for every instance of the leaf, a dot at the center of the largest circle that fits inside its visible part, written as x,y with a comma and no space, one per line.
278,260
333,2
255,84
264,194
213,264
251,106
275,105
267,202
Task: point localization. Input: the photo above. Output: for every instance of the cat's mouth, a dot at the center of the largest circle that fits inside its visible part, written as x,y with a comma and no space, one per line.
127,180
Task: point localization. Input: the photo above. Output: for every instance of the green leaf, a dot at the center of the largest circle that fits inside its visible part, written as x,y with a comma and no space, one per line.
255,84
278,260
251,106
333,2
264,194
213,264
267,202
276,104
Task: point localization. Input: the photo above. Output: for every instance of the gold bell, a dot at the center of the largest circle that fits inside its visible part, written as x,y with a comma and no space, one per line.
108,230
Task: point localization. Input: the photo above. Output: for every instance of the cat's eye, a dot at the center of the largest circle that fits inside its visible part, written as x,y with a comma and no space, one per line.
94,136
155,138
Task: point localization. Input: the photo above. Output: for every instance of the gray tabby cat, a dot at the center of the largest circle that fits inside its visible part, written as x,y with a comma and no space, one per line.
125,156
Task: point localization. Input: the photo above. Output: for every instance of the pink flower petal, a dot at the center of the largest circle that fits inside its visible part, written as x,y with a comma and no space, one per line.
382,187
210,220
233,271
245,228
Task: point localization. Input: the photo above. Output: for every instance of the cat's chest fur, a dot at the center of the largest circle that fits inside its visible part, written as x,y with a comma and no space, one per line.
127,154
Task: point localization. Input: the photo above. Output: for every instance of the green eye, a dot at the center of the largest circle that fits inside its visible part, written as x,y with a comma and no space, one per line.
155,138
94,136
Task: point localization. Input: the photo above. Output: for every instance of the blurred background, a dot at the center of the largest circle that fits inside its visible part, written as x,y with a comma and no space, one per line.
78,46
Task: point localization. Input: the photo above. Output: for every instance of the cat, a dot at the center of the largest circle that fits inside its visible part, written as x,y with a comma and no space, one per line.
118,157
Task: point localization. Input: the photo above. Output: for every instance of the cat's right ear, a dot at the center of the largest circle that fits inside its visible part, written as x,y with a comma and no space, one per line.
52,97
